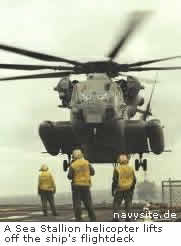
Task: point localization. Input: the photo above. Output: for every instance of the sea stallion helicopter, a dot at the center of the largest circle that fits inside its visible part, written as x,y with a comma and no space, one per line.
101,107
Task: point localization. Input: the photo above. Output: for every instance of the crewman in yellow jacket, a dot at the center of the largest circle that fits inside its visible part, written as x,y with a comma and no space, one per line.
80,173
123,186
46,189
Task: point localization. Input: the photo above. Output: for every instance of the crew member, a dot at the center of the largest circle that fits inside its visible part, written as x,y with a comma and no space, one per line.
123,186
80,173
46,189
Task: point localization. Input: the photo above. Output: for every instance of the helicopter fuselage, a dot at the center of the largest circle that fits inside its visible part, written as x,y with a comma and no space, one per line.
101,123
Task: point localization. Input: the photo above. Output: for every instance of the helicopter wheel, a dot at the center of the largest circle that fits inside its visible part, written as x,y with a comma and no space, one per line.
137,164
144,164
65,165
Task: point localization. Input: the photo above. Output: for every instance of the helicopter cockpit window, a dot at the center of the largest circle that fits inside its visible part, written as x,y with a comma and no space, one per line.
116,98
116,95
90,91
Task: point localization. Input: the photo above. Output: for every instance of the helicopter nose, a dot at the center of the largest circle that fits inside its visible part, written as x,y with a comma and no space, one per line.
109,113
93,113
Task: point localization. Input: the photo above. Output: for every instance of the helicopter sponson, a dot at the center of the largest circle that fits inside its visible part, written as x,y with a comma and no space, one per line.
126,136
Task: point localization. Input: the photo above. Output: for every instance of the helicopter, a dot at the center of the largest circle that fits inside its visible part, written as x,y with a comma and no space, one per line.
101,107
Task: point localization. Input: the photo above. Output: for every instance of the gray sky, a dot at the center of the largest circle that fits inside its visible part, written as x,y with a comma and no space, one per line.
81,29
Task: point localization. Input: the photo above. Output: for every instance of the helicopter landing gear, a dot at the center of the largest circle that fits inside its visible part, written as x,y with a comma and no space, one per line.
66,164
144,165
137,165
141,163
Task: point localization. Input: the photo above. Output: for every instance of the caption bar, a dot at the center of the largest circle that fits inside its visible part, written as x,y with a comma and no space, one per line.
85,233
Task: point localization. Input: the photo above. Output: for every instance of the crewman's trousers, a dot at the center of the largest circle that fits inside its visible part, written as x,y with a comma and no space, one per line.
47,196
119,196
82,193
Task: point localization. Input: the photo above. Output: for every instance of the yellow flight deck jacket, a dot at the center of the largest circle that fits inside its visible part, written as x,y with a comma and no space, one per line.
80,172
46,181
126,177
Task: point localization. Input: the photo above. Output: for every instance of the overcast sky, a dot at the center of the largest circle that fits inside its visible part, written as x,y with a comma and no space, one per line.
81,30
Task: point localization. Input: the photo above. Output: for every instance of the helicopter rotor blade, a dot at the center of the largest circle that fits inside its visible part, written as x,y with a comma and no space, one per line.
37,55
136,18
139,69
140,79
32,67
152,61
38,76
